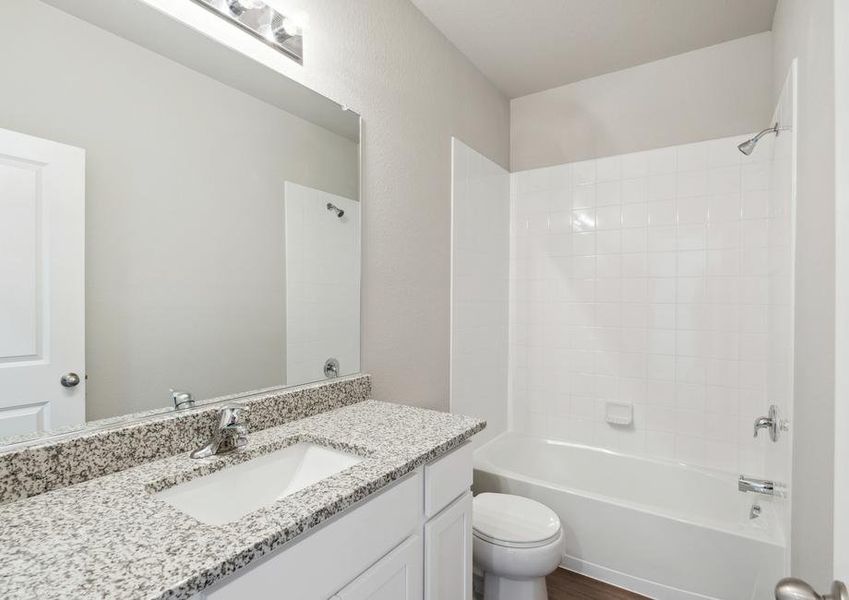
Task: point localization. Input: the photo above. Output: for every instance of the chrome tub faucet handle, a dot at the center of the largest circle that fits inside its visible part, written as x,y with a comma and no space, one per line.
771,423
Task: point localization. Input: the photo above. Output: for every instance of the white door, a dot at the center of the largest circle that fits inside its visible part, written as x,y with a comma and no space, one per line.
448,552
42,311
397,576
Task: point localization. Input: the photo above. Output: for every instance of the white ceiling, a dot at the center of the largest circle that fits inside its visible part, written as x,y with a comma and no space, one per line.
525,46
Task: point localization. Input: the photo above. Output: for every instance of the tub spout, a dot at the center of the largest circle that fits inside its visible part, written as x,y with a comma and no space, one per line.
759,486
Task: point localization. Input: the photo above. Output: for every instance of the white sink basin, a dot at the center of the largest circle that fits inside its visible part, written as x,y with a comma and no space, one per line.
233,492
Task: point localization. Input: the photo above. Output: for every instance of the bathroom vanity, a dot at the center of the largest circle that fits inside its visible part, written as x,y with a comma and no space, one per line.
187,237
412,540
392,520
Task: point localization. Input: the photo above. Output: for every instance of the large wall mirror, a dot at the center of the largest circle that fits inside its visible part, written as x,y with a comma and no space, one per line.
177,221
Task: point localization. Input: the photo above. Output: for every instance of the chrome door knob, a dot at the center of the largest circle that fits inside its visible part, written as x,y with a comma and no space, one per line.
70,380
792,588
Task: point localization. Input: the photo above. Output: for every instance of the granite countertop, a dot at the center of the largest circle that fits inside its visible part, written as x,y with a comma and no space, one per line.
111,538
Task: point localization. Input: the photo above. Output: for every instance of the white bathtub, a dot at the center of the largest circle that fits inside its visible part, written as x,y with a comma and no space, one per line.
658,528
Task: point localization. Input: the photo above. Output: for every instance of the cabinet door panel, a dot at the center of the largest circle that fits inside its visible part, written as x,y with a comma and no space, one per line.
448,547
397,576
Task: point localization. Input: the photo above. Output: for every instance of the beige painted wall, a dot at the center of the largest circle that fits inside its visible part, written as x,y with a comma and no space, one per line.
386,61
709,93
804,29
841,442
415,90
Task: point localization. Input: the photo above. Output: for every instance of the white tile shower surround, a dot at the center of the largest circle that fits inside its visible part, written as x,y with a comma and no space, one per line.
645,278
480,288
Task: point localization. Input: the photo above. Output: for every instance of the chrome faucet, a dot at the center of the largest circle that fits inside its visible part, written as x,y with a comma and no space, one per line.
759,486
230,435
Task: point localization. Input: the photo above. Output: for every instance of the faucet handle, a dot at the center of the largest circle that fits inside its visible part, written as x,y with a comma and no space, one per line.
771,422
231,416
182,399
232,433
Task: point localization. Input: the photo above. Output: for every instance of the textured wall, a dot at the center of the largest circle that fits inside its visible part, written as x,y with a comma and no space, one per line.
414,90
804,29
709,93
385,60
841,443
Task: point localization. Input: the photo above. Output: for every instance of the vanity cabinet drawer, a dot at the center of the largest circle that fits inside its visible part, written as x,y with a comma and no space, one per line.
447,478
324,560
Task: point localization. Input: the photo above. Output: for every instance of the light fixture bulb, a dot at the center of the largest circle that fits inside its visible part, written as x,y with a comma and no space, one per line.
238,7
264,22
295,23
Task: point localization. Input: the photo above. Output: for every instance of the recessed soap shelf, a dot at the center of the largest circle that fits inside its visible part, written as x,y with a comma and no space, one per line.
619,413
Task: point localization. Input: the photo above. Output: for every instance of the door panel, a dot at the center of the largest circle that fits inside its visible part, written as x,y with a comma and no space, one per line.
19,223
397,576
448,544
42,254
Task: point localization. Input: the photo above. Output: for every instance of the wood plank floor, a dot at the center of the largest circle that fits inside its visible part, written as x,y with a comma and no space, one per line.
566,585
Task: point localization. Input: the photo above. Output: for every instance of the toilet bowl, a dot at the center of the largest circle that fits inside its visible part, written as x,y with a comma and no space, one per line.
517,542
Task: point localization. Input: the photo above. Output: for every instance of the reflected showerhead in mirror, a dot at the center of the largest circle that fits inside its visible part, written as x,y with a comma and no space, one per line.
332,207
748,146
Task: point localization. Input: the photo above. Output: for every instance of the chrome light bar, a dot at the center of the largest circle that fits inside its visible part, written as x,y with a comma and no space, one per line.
282,32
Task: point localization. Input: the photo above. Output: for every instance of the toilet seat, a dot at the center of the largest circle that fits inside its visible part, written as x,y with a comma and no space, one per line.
513,521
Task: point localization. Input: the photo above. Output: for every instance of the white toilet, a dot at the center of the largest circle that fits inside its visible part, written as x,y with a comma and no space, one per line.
517,542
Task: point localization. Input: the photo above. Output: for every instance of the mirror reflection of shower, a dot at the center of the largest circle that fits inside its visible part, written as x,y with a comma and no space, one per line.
322,296
332,207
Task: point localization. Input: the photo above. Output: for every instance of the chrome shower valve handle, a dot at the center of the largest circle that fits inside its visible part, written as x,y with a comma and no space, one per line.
772,423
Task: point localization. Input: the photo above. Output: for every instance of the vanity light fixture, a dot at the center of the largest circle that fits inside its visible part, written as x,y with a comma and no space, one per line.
282,32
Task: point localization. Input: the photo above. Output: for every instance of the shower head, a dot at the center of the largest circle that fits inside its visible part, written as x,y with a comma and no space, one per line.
332,207
748,146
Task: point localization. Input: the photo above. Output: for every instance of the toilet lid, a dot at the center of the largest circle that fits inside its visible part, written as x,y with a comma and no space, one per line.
505,519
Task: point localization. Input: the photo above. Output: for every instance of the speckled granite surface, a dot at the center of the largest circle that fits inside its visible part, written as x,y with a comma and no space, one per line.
111,538
52,463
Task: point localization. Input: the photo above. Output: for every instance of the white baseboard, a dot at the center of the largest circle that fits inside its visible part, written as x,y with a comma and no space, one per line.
652,589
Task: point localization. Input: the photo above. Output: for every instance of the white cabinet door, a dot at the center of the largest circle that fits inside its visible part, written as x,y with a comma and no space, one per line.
397,576
42,283
448,552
